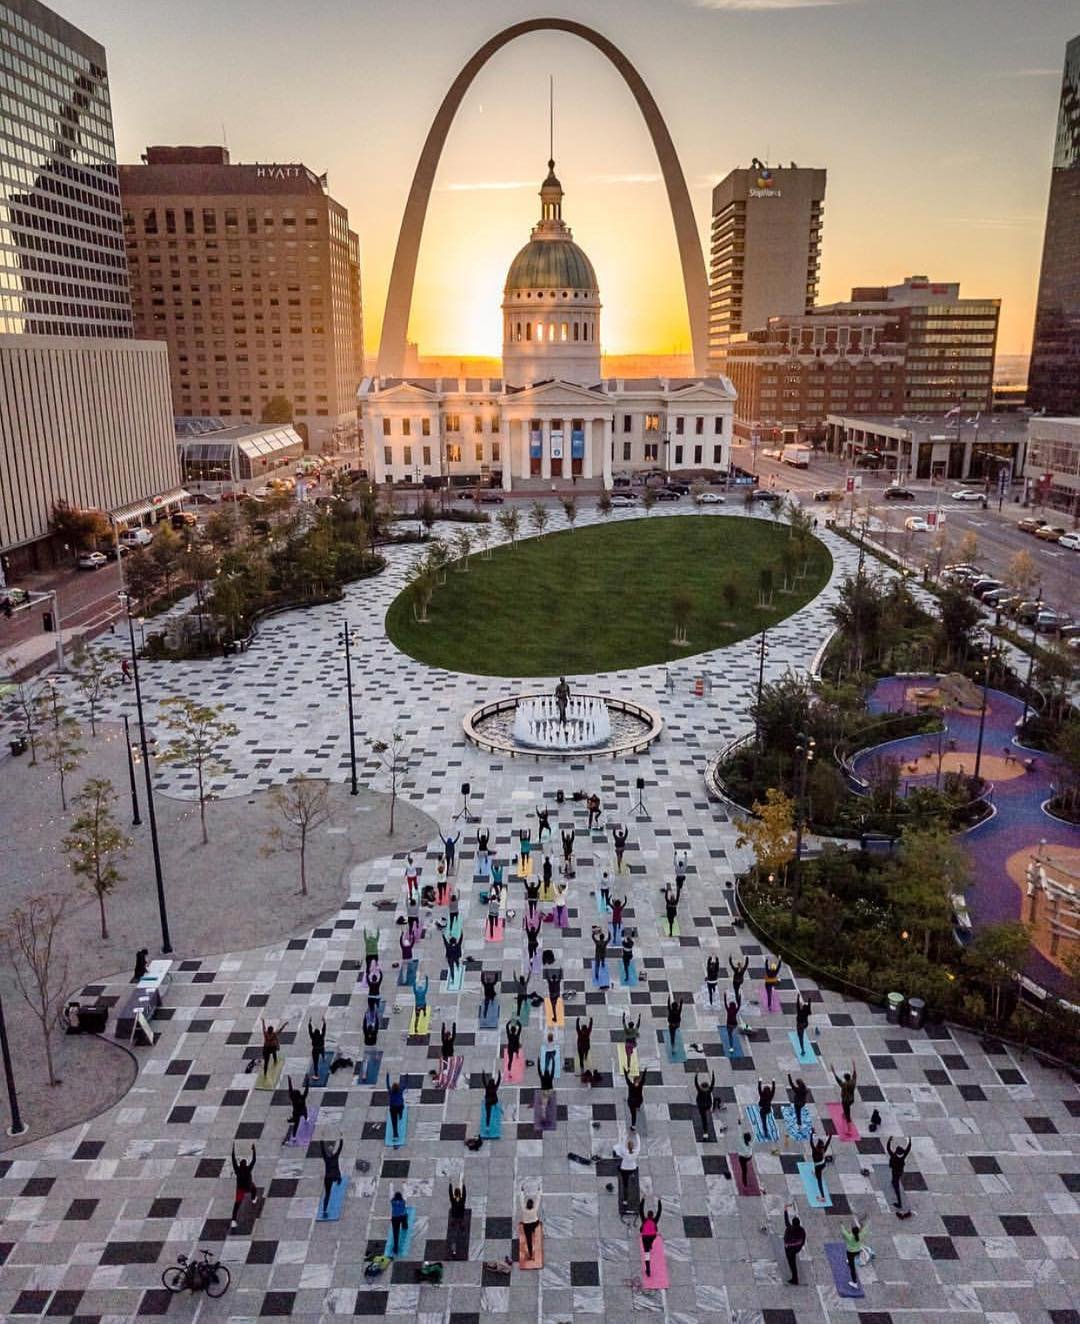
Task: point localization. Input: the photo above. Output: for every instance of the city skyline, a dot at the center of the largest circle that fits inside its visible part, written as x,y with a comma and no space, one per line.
958,192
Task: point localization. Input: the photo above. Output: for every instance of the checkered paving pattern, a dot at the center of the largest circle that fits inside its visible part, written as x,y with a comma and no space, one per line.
91,1217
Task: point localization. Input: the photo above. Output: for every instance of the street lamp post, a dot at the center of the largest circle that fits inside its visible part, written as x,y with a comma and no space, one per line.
136,821
805,751
985,700
1031,660
355,790
163,914
18,1126
763,652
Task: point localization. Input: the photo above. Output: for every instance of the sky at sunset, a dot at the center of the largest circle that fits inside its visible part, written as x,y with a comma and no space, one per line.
934,119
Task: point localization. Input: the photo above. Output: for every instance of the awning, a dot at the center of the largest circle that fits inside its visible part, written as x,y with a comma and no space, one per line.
137,509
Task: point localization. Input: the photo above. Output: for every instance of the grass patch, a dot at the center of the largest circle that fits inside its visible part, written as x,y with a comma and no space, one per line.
602,598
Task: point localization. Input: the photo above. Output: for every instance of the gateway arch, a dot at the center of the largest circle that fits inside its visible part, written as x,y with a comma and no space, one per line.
403,273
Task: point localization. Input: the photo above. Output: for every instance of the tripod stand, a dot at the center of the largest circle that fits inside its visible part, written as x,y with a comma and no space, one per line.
639,809
464,812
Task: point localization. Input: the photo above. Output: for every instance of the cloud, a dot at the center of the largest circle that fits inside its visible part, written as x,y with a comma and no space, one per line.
488,185
1029,73
771,4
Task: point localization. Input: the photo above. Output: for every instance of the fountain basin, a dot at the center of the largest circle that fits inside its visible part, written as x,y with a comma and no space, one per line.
603,728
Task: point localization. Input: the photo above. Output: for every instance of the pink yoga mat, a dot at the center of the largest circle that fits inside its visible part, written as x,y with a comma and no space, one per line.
843,1131
751,1187
657,1279
499,928
516,1075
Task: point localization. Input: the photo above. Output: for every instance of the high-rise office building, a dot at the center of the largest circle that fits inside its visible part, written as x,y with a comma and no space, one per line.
252,276
766,245
1054,375
62,266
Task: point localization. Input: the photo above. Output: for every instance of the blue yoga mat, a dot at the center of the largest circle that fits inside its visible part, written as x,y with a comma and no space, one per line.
402,1133
335,1204
632,981
754,1118
676,1053
491,1020
807,1059
801,1132
541,1054
405,1238
454,985
494,1131
732,1043
601,979
368,1073
834,1253
406,976
602,906
806,1172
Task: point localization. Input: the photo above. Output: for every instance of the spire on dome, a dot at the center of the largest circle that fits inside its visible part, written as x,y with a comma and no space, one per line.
551,195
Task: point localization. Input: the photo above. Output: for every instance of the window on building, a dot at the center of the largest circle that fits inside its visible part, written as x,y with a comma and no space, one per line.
453,452
453,422
479,452
627,422
699,426
564,331
718,426
652,423
388,454
478,423
386,427
425,452
209,221
528,331
678,455
425,427
406,454
652,450
718,455
697,454
496,452
680,426
406,427
149,221
627,447
577,330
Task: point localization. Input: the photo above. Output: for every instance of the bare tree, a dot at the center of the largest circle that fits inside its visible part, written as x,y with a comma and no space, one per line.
463,546
570,510
603,504
60,739
25,708
682,604
94,672
40,971
392,756
200,735
539,516
304,805
95,838
510,523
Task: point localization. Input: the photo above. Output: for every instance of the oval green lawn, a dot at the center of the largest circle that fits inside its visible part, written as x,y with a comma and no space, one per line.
600,598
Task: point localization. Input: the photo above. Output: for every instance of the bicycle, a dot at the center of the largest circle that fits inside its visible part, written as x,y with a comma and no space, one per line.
207,1275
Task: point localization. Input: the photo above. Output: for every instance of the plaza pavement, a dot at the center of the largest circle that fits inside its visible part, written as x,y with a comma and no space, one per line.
92,1216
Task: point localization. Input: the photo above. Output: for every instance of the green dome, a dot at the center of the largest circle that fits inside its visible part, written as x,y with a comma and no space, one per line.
550,264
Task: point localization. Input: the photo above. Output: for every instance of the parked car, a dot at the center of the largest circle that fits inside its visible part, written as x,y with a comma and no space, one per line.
1070,541
624,499
981,586
1049,622
958,569
137,537
182,519
997,597
916,524
1029,524
13,597
711,499
90,561
201,499
828,494
1050,532
896,493
1026,612
114,551
869,460
680,489
488,497
1070,631
765,494
666,494
967,494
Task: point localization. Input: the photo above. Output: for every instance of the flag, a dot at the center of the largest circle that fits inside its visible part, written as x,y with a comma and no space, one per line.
952,413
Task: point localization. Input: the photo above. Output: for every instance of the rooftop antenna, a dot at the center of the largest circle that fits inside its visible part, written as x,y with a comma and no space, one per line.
551,118
224,137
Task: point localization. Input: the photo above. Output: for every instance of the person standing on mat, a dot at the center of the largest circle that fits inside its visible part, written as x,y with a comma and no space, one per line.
605,889
744,1152
458,1196
406,942
794,1241
704,1100
549,1053
450,850
561,917
584,1045
419,992
547,871
521,994
493,914
543,822
799,1095
671,911
674,1019
712,976
399,1221
853,1248
619,834
600,946
491,1095
765,1095
802,1020
738,974
489,984
483,836
617,908
897,1159
630,1032
447,1038
650,1230
819,1150
532,942
331,1171
772,978
371,949
454,911
442,885
298,1103
412,916
627,954
593,806
635,1095
568,851
524,848
452,947
731,1009
847,1092
370,1027
546,1070
412,877
627,1154
396,1104
496,873
270,1045
530,1217
243,1171
318,1045
513,1043
554,983
374,986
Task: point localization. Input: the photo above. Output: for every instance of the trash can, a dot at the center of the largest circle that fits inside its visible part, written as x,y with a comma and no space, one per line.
916,1013
894,1007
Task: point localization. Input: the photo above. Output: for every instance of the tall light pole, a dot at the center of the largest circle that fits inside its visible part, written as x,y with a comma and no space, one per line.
136,821
805,752
985,700
163,914
763,652
1031,659
18,1126
346,634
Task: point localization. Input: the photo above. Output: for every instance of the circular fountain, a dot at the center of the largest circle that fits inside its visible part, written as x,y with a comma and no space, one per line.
584,726
537,723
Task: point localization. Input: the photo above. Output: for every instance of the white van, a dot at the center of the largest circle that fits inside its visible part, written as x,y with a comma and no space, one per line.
136,537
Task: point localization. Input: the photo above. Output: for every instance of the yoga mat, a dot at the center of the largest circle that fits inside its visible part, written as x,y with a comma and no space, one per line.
442,894
525,867
601,978
541,1054
562,917
559,1019
754,1119
368,1071
751,1187
766,1010
834,1253
673,932
656,1280
494,1130
453,984
676,1052
523,1014
449,1071
335,1203
406,975
421,1021
453,929
305,1130
633,1194
483,867
732,1042
500,929
515,1074
544,1118
537,1261
403,1130
602,906
630,982
787,1113
843,1131
270,1080
535,962
488,1020
457,1236
406,1235
615,936
323,1074
807,1059
547,892
809,1181
634,1066
708,1135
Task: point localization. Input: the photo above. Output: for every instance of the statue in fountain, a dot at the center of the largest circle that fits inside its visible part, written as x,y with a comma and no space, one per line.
562,698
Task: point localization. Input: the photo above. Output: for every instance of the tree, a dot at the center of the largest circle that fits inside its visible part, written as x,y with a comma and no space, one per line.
60,739
570,510
25,707
1067,748
421,583
825,791
197,743
998,955
304,805
463,545
94,840
770,834
221,527
510,523
929,867
682,604
785,710
94,672
539,516
200,566
278,409
765,587
648,499
40,971
392,756
941,547
697,495
166,551
603,504
958,616
482,537
969,548
427,514
82,528
142,575
1022,573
